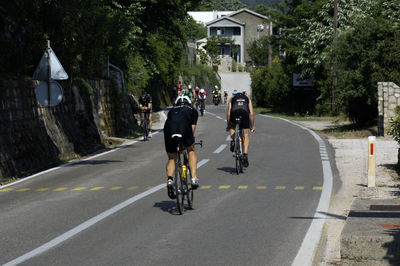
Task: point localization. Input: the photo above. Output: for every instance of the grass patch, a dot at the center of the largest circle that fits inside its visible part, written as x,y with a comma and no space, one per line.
350,131
296,116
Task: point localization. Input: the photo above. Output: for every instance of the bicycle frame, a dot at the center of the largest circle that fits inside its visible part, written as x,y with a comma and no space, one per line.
238,150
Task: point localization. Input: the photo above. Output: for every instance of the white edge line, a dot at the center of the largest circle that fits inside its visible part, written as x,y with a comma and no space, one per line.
309,246
92,221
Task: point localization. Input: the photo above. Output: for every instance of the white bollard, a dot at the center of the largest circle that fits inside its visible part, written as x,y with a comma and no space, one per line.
371,161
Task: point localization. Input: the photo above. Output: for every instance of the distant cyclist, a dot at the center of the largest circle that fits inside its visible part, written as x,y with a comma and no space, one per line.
201,98
181,119
146,106
240,105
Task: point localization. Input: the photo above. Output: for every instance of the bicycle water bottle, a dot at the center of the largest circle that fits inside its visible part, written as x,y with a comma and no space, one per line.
184,171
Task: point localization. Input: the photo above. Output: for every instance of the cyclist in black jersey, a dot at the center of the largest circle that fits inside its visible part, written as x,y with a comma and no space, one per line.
146,106
240,105
181,119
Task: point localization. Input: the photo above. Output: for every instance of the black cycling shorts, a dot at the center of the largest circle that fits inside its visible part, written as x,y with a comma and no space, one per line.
244,119
170,145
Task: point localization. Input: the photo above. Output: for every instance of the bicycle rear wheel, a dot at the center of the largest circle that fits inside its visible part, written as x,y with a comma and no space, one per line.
189,189
179,188
237,155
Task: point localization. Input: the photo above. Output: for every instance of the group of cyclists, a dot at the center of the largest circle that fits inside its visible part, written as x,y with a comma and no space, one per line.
182,119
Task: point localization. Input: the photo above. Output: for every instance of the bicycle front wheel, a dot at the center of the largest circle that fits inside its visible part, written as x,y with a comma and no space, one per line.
179,188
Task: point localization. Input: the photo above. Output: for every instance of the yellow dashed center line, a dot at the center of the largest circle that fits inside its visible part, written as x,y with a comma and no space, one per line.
317,188
224,187
96,188
23,189
280,187
205,187
299,188
42,189
6,189
60,189
243,187
116,188
132,188
78,188
261,187
149,187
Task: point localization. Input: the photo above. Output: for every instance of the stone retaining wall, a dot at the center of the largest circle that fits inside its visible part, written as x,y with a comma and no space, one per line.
388,100
33,138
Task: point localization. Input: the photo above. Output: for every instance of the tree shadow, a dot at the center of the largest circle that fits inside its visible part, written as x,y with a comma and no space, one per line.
393,247
393,167
340,217
93,162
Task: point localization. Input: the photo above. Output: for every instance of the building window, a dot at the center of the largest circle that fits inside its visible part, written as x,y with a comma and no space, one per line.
236,31
220,31
222,51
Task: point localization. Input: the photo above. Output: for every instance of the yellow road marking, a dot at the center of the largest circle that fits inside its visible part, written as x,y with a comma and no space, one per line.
243,187
205,187
116,188
299,188
150,187
132,188
78,188
280,187
42,189
96,188
23,189
317,188
224,187
261,187
60,189
6,189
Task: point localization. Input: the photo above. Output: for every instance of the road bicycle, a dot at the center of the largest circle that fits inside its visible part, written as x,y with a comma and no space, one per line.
182,177
238,147
145,126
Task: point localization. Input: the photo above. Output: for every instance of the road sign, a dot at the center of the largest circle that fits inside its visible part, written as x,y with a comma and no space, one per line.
42,93
50,62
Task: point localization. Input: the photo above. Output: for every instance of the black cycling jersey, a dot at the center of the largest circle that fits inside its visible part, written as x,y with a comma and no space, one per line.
179,121
240,102
145,101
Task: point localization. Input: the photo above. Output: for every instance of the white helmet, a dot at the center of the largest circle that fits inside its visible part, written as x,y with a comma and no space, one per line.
190,87
181,100
201,90
216,86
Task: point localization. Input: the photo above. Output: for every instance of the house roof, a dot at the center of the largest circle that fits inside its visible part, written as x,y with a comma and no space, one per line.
248,11
207,16
225,18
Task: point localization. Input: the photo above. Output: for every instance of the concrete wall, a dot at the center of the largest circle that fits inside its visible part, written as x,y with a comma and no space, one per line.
388,100
33,138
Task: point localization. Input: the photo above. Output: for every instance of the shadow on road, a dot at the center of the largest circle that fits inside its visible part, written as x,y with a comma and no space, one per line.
93,162
230,170
340,217
167,206
393,254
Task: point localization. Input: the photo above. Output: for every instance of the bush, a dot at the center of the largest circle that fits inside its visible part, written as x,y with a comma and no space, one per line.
271,86
394,129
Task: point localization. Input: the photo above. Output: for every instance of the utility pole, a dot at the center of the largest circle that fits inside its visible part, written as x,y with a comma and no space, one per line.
269,42
334,80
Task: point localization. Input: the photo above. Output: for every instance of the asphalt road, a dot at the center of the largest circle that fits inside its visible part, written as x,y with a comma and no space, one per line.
114,210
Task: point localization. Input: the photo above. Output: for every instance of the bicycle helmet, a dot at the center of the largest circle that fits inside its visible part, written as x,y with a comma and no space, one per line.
190,87
234,92
182,100
201,90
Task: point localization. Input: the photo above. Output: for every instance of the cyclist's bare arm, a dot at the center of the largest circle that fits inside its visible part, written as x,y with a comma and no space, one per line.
252,125
228,114
193,128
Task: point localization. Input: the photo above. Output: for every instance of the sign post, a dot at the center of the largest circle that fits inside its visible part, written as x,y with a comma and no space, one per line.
371,161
